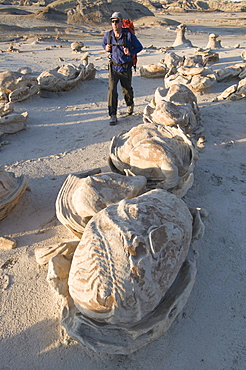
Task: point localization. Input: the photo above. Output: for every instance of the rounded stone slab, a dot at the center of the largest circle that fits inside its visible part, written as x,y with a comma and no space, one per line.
11,190
81,197
129,256
13,122
163,154
112,339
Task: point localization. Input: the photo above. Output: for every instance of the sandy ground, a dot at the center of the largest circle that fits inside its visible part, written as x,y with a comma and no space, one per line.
68,132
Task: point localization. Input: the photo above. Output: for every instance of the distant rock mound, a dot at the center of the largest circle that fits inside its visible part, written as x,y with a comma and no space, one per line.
194,5
97,12
200,5
155,21
63,5
184,6
13,11
227,6
48,13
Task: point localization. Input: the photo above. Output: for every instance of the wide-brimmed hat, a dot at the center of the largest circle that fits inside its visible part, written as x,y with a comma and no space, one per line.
116,15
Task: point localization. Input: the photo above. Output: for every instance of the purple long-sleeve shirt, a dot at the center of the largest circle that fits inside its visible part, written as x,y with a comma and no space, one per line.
117,53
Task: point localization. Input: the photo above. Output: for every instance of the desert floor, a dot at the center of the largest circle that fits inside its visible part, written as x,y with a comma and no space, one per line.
68,132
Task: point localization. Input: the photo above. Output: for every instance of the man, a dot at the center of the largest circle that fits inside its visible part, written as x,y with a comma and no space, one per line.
121,44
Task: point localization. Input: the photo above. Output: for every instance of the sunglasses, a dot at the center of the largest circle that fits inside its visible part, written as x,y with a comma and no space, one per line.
115,21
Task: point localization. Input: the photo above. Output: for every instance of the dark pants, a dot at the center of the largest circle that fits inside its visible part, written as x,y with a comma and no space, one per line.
125,79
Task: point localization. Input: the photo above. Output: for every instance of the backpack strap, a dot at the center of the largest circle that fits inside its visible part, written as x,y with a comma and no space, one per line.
134,56
124,34
125,31
110,37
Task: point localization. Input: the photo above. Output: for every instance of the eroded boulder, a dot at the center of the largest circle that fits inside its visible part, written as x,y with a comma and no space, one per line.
81,197
10,121
130,275
163,154
65,77
17,86
153,70
176,106
198,79
11,190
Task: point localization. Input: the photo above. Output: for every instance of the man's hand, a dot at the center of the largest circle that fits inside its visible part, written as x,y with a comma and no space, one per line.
108,48
126,51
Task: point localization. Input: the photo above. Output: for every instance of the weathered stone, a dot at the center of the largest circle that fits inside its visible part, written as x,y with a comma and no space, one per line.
17,86
163,154
65,77
77,46
213,43
128,276
11,190
123,236
227,92
44,254
58,272
7,243
228,72
80,198
243,55
13,122
6,108
153,71
180,36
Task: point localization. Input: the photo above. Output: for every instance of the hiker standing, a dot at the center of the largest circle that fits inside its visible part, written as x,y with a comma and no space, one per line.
121,44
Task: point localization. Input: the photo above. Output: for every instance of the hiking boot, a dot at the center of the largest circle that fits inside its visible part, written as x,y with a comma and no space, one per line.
113,120
130,109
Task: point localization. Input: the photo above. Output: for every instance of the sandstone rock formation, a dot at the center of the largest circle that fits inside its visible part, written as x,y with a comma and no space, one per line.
16,86
195,78
189,70
230,72
213,43
163,154
65,77
207,55
153,70
77,46
132,247
11,190
81,197
243,55
44,254
168,108
180,36
227,6
234,92
129,274
98,12
11,122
